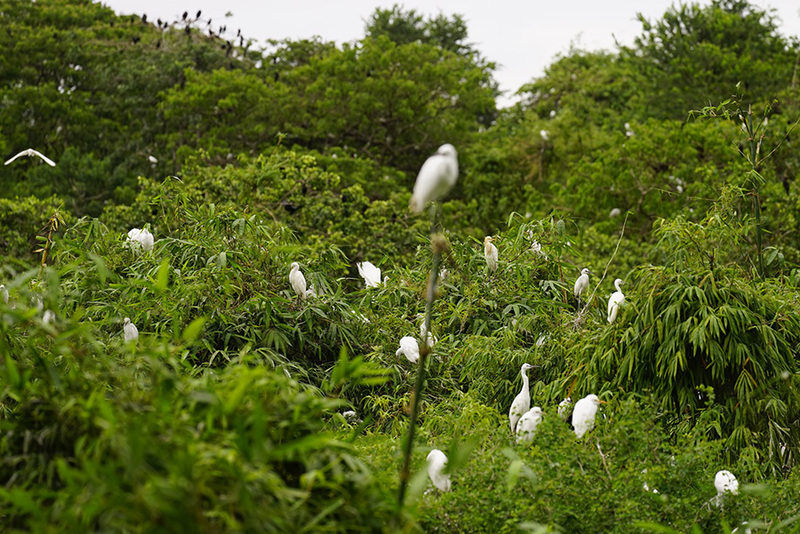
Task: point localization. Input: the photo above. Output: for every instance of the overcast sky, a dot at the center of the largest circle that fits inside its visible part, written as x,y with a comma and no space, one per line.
522,37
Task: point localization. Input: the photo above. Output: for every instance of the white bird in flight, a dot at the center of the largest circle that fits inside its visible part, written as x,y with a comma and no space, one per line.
490,253
298,281
616,300
30,153
370,273
526,427
129,330
522,402
437,461
409,348
141,236
584,413
436,176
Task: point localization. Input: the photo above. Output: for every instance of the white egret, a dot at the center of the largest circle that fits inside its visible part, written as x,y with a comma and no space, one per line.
526,427
409,348
436,176
490,253
615,212
152,159
4,293
583,414
370,273
581,284
616,300
429,339
141,236
726,482
545,134
351,417
298,281
522,402
437,461
48,317
565,408
129,331
30,153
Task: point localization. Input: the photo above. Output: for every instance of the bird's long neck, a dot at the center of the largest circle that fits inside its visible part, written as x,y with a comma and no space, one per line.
524,380
617,284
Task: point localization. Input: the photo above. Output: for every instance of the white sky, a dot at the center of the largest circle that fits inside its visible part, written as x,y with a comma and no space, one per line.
522,37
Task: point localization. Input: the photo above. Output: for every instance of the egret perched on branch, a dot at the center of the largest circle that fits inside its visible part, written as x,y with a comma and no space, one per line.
490,253
565,408
581,284
522,402
437,461
583,414
526,427
129,331
298,281
142,237
30,153
616,300
437,175
370,273
409,348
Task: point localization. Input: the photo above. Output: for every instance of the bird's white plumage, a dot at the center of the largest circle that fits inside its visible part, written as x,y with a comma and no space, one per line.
522,402
616,300
581,284
298,281
584,413
564,408
370,273
426,336
129,330
48,317
29,152
409,348
526,427
436,176
726,482
142,237
437,461
4,293
490,253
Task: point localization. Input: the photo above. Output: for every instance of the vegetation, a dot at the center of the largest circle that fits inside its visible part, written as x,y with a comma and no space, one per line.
669,164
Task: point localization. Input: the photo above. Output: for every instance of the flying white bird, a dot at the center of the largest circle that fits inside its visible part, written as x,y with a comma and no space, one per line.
526,427
437,461
490,253
583,414
30,153
409,348
565,408
370,273
522,402
436,176
4,293
616,300
298,281
143,237
581,284
129,330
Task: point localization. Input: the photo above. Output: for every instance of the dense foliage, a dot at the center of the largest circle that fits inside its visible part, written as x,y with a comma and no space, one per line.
669,164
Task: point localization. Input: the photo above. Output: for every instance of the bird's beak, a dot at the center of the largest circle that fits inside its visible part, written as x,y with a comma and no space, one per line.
602,402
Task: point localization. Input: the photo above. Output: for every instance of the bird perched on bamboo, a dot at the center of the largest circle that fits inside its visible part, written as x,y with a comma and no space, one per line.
129,330
526,427
436,176
616,300
298,281
522,402
141,237
29,152
581,284
490,253
584,413
370,273
437,461
409,348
